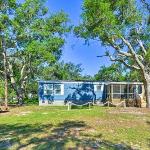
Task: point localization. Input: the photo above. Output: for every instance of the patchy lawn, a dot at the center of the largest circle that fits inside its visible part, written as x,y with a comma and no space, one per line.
55,128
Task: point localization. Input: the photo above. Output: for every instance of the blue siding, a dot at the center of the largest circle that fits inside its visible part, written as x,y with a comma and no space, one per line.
77,92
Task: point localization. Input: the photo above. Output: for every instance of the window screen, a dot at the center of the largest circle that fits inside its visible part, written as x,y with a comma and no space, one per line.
132,88
116,96
116,88
57,89
108,88
124,88
48,89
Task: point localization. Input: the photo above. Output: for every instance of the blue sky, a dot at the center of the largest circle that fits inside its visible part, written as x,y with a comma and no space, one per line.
75,49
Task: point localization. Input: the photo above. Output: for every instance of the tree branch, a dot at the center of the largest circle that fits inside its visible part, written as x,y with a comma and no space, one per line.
123,61
22,71
142,46
124,53
135,56
118,49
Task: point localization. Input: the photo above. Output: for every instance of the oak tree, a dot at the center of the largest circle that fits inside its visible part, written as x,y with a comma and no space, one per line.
32,37
124,26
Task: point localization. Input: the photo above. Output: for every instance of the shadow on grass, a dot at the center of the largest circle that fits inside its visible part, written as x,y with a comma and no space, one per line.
148,122
66,135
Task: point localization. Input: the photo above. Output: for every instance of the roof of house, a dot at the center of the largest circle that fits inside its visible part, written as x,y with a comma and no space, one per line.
86,81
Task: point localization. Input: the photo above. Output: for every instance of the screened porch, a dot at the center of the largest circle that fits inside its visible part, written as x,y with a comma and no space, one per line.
123,90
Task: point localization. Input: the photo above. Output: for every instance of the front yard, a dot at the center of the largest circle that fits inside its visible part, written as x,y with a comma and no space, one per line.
54,128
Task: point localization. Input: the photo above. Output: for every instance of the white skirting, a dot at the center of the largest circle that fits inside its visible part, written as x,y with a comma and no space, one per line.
55,103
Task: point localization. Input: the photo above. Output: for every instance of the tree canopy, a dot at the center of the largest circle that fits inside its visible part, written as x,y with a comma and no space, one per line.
117,72
113,72
31,37
123,25
32,40
62,71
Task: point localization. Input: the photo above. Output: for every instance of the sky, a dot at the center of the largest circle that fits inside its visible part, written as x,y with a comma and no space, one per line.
75,49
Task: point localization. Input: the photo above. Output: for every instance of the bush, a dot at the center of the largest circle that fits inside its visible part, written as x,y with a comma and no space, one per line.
34,101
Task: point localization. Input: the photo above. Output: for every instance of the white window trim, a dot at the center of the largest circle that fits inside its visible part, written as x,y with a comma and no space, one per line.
62,89
45,88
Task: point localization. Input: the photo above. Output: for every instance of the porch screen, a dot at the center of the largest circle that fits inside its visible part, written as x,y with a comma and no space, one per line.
116,91
131,90
124,91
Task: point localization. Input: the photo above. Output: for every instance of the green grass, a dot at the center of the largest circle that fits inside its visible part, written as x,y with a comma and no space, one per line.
54,128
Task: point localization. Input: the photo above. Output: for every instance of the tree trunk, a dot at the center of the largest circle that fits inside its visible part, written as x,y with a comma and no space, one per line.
18,93
18,89
147,92
3,44
147,88
21,96
6,80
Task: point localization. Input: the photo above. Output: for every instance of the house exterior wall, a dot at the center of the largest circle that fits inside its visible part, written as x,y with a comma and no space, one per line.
77,92
83,92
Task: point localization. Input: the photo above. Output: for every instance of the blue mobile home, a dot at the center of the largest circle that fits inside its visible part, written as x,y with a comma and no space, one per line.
60,92
81,92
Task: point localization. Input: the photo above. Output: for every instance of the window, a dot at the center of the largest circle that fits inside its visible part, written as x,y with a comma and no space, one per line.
53,89
57,89
97,87
48,89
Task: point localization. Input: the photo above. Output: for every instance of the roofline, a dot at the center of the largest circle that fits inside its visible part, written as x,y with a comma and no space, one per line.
124,82
103,82
66,81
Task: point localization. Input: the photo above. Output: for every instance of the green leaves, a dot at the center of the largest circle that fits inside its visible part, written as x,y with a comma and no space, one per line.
147,56
48,50
33,30
62,71
110,73
121,25
102,18
34,37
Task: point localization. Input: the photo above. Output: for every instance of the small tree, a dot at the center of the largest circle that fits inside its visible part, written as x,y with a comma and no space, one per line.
123,25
